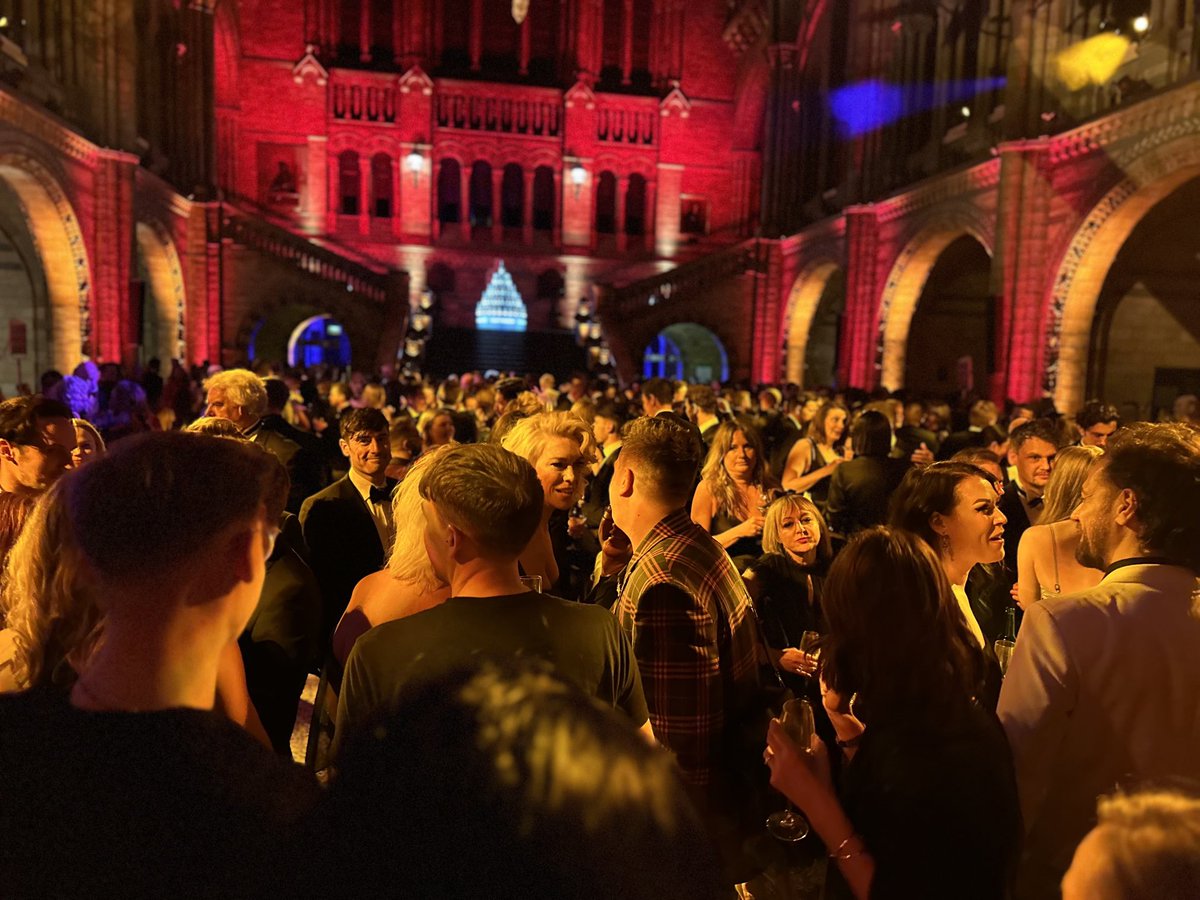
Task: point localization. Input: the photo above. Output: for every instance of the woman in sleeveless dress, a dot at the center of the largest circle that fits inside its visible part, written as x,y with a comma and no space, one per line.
1046,565
810,464
734,491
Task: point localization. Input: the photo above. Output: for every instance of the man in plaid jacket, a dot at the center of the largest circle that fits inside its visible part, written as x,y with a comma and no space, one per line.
685,607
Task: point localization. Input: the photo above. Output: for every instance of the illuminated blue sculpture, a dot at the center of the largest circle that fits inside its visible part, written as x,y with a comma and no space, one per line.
501,308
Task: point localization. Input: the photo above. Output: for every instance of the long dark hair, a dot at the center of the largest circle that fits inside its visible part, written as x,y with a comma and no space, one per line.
896,636
929,490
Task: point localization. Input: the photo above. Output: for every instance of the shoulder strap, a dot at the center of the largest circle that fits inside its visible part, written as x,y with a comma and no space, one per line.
1054,550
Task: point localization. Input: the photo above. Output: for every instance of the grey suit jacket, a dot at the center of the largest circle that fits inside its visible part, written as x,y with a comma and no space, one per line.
1103,688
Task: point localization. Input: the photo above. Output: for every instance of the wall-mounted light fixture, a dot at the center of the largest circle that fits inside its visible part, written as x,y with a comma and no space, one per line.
578,177
1141,24
415,163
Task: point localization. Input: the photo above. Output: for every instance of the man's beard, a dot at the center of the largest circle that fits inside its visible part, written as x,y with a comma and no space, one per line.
1087,554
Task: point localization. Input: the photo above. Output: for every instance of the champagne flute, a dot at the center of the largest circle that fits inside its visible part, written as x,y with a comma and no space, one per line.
810,646
797,721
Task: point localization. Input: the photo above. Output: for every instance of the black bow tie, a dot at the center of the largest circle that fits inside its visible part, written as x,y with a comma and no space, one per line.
380,495
1035,502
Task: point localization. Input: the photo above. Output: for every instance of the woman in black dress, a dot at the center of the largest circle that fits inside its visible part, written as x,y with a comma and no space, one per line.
735,487
927,805
785,585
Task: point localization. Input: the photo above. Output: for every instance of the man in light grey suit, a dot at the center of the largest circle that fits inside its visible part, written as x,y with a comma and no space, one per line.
1104,686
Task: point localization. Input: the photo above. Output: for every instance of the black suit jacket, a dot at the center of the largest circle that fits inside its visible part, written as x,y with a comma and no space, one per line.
1018,520
960,440
307,467
860,491
343,546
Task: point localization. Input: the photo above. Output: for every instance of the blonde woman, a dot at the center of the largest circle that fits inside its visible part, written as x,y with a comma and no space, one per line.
88,443
735,488
53,624
785,583
408,583
561,448
1046,564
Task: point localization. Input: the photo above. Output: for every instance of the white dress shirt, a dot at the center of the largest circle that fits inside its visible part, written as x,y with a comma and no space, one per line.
380,512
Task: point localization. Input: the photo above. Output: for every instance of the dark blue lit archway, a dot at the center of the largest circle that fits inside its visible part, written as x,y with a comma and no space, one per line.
319,341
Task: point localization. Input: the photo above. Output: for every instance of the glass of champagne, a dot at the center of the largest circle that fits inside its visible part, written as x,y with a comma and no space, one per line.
797,721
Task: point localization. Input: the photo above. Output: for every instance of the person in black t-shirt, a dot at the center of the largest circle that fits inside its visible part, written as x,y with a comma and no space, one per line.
482,506
131,785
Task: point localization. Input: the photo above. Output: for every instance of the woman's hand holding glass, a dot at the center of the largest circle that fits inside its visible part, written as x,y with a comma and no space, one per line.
801,774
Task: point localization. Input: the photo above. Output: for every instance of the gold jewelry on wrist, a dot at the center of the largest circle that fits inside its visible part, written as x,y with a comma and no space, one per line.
843,853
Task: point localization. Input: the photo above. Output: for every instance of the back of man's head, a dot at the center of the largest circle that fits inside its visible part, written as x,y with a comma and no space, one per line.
664,455
540,791
703,398
148,511
660,390
278,394
488,492
1160,464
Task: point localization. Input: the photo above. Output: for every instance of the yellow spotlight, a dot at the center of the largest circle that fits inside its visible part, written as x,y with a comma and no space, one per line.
1093,61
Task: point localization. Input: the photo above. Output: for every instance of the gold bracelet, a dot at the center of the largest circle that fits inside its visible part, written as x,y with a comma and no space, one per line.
841,853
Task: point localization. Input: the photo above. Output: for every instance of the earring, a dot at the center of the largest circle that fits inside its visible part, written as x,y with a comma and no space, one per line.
946,549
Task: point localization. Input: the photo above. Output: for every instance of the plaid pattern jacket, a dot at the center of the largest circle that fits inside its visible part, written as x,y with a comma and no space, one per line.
695,637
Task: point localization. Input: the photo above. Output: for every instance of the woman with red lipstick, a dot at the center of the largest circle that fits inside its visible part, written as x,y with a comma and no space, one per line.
954,507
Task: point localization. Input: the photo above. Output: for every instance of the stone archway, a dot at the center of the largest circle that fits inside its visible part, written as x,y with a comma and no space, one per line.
62,253
686,351
904,286
164,325
808,292
1085,265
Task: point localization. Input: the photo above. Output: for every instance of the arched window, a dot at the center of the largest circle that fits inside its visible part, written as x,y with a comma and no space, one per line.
481,194
543,199
635,205
606,204
449,191
381,186
512,197
348,183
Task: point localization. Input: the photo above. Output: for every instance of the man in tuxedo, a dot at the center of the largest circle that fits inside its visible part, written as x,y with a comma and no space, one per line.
606,428
1104,685
348,526
36,441
241,397
1031,450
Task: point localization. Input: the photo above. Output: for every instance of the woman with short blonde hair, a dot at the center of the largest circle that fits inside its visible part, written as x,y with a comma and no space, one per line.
561,448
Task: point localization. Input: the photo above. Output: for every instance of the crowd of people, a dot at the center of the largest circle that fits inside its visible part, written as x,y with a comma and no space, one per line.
557,629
